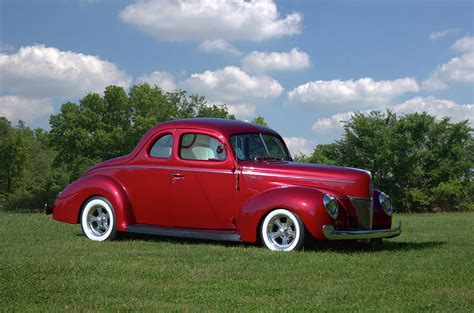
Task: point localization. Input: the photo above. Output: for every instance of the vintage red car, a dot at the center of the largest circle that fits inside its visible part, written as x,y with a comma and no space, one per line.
224,180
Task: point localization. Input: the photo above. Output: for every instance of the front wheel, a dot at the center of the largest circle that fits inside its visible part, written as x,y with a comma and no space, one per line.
98,219
282,231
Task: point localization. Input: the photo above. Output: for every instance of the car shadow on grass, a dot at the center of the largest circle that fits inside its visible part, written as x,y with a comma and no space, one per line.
310,245
178,240
373,247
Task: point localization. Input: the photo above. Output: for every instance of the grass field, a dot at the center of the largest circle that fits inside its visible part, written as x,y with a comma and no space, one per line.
50,266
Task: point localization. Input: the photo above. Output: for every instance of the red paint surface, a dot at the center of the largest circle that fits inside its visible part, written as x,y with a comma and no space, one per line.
142,189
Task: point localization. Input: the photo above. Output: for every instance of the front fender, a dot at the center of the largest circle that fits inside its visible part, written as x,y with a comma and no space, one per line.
306,202
69,203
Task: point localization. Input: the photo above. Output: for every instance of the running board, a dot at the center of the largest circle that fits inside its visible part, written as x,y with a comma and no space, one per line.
220,235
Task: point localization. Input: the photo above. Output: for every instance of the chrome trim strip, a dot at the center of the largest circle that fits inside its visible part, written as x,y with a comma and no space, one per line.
299,177
332,234
189,169
359,198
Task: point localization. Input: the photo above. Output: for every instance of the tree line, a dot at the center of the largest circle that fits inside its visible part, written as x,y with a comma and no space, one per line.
424,163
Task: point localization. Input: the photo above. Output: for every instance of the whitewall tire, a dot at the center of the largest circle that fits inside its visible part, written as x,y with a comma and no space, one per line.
98,219
282,230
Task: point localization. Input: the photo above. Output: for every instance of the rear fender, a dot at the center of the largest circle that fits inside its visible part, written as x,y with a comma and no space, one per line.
69,203
306,202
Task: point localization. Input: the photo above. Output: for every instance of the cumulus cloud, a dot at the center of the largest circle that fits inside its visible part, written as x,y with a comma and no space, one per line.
231,85
437,107
218,46
45,72
242,111
330,128
299,145
337,95
32,111
199,20
465,44
457,70
164,80
262,62
443,33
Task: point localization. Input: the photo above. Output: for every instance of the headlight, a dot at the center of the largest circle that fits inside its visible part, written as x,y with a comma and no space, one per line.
330,204
386,203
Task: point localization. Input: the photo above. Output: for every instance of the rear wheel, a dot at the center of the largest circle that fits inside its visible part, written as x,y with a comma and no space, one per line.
282,231
98,219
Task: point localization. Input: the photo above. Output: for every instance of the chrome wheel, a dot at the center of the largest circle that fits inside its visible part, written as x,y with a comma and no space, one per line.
282,231
98,219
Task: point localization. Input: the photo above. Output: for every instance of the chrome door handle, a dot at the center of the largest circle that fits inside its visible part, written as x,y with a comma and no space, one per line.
177,175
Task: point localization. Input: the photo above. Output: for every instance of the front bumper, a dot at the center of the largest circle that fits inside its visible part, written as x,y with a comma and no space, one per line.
332,234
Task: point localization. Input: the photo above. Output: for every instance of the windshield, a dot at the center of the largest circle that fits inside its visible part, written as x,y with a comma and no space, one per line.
259,147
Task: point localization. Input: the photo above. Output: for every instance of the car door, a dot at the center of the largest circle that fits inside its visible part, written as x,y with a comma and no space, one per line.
202,182
148,181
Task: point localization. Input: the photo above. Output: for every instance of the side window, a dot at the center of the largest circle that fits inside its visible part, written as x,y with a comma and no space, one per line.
202,148
162,147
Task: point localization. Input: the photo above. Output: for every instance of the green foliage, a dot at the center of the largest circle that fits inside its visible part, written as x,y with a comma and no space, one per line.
103,127
27,178
35,164
425,164
259,121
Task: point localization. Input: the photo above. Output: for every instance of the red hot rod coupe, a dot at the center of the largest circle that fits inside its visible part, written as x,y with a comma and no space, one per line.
223,180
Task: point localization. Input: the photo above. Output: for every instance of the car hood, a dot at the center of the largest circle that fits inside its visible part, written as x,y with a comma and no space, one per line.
343,181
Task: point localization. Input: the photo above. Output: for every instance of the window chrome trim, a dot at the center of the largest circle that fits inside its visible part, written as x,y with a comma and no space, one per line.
264,144
171,168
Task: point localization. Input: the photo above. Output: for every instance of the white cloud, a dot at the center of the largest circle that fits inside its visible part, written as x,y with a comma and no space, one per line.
328,129
298,145
32,111
231,85
465,44
337,95
44,72
443,33
457,70
218,46
437,107
164,80
242,111
262,62
199,20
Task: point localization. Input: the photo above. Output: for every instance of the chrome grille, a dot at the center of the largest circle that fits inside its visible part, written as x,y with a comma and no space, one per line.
364,211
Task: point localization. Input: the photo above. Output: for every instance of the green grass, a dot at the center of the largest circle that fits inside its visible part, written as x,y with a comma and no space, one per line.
50,266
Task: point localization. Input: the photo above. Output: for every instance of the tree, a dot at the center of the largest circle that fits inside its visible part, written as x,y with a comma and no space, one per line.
103,127
259,121
26,173
425,163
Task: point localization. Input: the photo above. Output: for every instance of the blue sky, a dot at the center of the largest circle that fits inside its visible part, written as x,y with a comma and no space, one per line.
303,65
